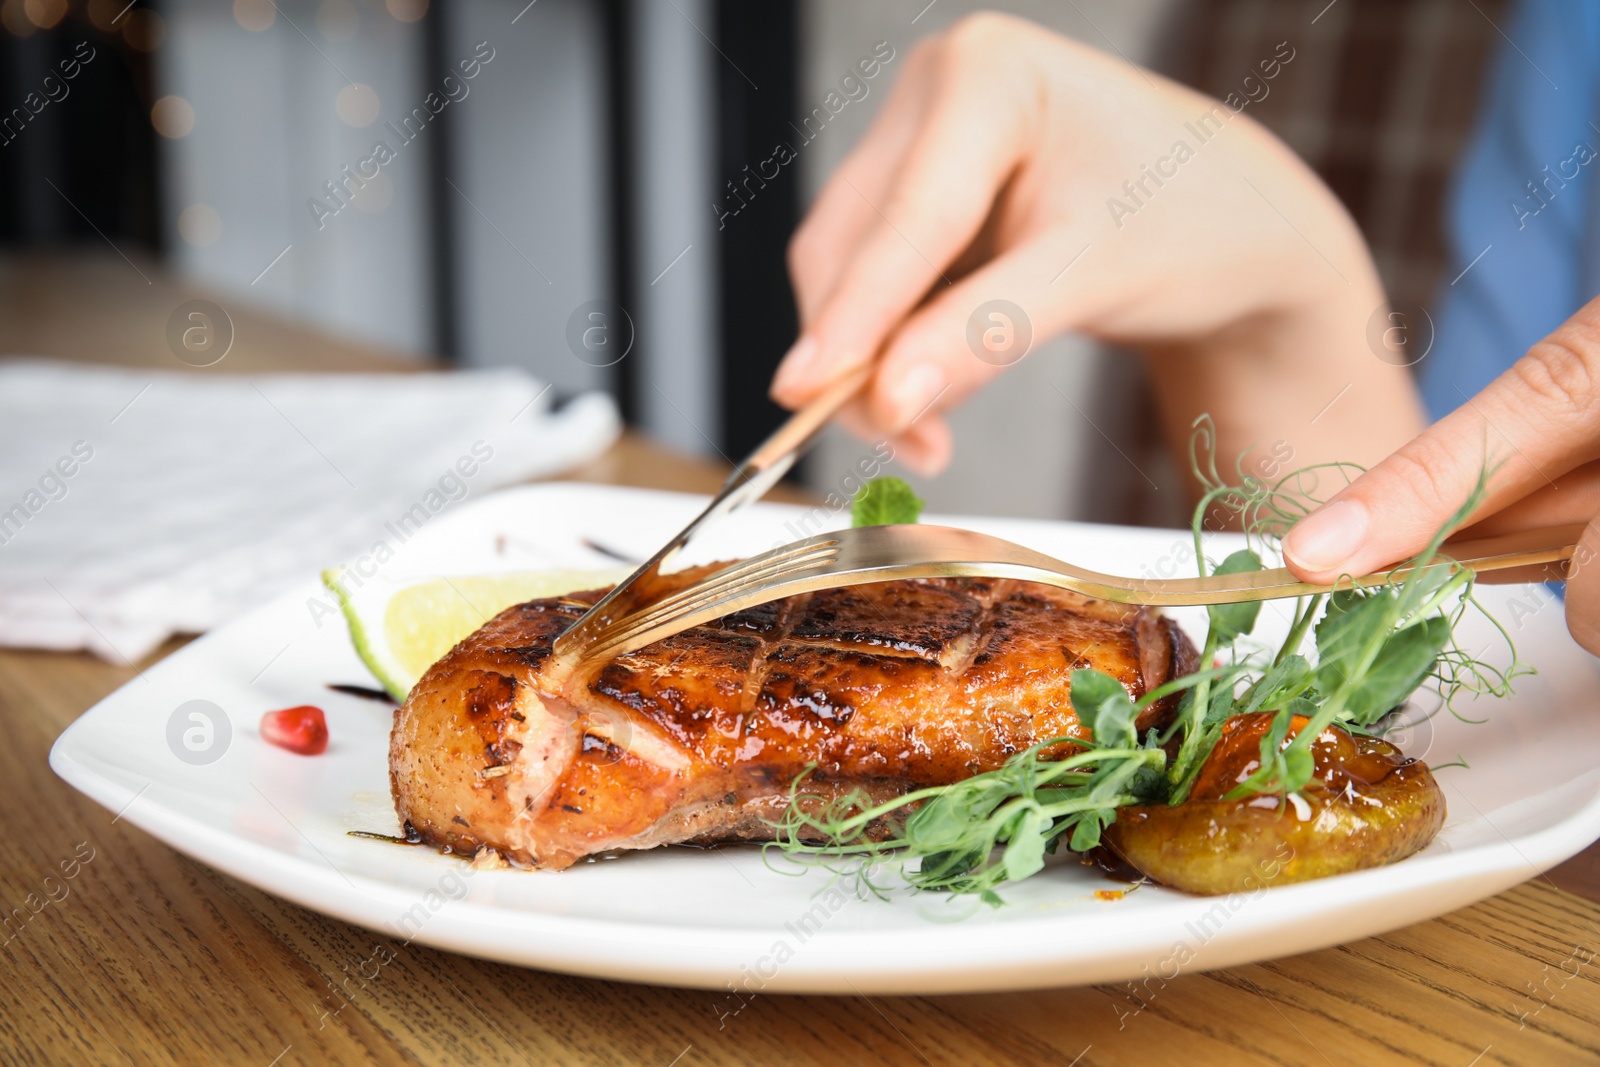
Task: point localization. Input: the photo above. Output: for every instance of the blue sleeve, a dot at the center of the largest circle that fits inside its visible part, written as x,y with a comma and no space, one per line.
1521,219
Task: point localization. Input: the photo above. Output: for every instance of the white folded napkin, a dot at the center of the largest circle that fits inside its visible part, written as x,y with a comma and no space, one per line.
138,504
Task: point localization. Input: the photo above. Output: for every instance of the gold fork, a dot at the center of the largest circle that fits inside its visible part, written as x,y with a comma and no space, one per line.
749,481
884,553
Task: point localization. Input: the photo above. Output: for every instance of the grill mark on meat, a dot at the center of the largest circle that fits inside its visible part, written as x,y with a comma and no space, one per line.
925,618
980,637
782,625
863,647
532,656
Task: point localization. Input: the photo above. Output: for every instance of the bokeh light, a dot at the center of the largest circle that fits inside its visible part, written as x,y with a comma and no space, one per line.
144,30
14,17
255,15
106,14
45,13
172,116
407,10
357,104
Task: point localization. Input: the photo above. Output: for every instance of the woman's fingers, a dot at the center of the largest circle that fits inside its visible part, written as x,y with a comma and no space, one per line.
970,332
839,218
961,155
925,446
1583,590
1575,498
957,341
1533,425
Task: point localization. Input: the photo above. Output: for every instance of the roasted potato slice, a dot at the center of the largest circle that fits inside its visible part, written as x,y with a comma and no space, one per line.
1366,805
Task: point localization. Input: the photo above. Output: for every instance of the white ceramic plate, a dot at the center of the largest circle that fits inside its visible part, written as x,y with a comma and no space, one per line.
1530,799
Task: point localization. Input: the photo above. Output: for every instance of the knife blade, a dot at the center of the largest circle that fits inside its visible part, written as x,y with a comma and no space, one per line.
749,482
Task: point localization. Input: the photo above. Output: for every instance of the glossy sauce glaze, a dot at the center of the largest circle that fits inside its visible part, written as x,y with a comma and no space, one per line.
1366,805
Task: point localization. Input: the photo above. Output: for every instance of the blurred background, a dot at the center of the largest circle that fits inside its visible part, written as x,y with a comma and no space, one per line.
545,163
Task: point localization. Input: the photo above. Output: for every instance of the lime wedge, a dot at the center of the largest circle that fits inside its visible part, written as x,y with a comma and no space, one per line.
400,629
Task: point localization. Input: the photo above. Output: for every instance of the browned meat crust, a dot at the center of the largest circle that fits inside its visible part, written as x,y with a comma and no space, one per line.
884,687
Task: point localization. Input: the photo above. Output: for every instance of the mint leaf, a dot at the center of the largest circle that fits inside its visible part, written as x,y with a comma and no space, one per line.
1229,621
885,501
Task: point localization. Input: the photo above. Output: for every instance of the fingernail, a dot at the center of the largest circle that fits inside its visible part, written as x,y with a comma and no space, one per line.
1328,537
915,390
795,364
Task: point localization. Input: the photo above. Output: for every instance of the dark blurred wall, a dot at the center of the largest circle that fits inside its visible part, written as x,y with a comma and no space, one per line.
77,154
757,107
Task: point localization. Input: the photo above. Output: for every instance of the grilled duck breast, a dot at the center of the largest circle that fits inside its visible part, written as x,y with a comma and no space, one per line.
698,738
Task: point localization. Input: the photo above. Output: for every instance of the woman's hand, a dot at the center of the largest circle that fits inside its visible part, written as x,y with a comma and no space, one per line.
1010,163
1537,426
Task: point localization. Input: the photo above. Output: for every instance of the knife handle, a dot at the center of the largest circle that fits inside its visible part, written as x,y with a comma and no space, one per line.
804,424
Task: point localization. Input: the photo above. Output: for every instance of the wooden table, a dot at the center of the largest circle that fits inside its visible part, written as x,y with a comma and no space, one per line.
150,957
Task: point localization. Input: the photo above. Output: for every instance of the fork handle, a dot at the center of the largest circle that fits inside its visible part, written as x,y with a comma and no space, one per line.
1549,545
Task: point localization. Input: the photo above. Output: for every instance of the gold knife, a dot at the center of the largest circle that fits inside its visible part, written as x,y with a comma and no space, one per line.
749,481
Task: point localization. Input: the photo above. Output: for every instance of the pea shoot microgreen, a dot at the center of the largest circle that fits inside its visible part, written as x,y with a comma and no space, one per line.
1373,648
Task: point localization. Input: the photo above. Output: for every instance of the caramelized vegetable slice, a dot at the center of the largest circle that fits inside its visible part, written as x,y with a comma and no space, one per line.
1366,806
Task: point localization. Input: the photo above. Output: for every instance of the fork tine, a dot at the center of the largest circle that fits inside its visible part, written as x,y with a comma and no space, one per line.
788,584
728,582
736,572
755,569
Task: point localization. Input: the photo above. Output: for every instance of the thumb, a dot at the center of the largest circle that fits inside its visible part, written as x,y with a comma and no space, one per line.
1529,427
1583,590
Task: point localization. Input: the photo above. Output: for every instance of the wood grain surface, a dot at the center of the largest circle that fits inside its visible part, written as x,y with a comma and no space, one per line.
119,950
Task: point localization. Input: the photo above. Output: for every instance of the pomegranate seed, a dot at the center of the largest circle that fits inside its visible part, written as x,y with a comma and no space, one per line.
302,729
